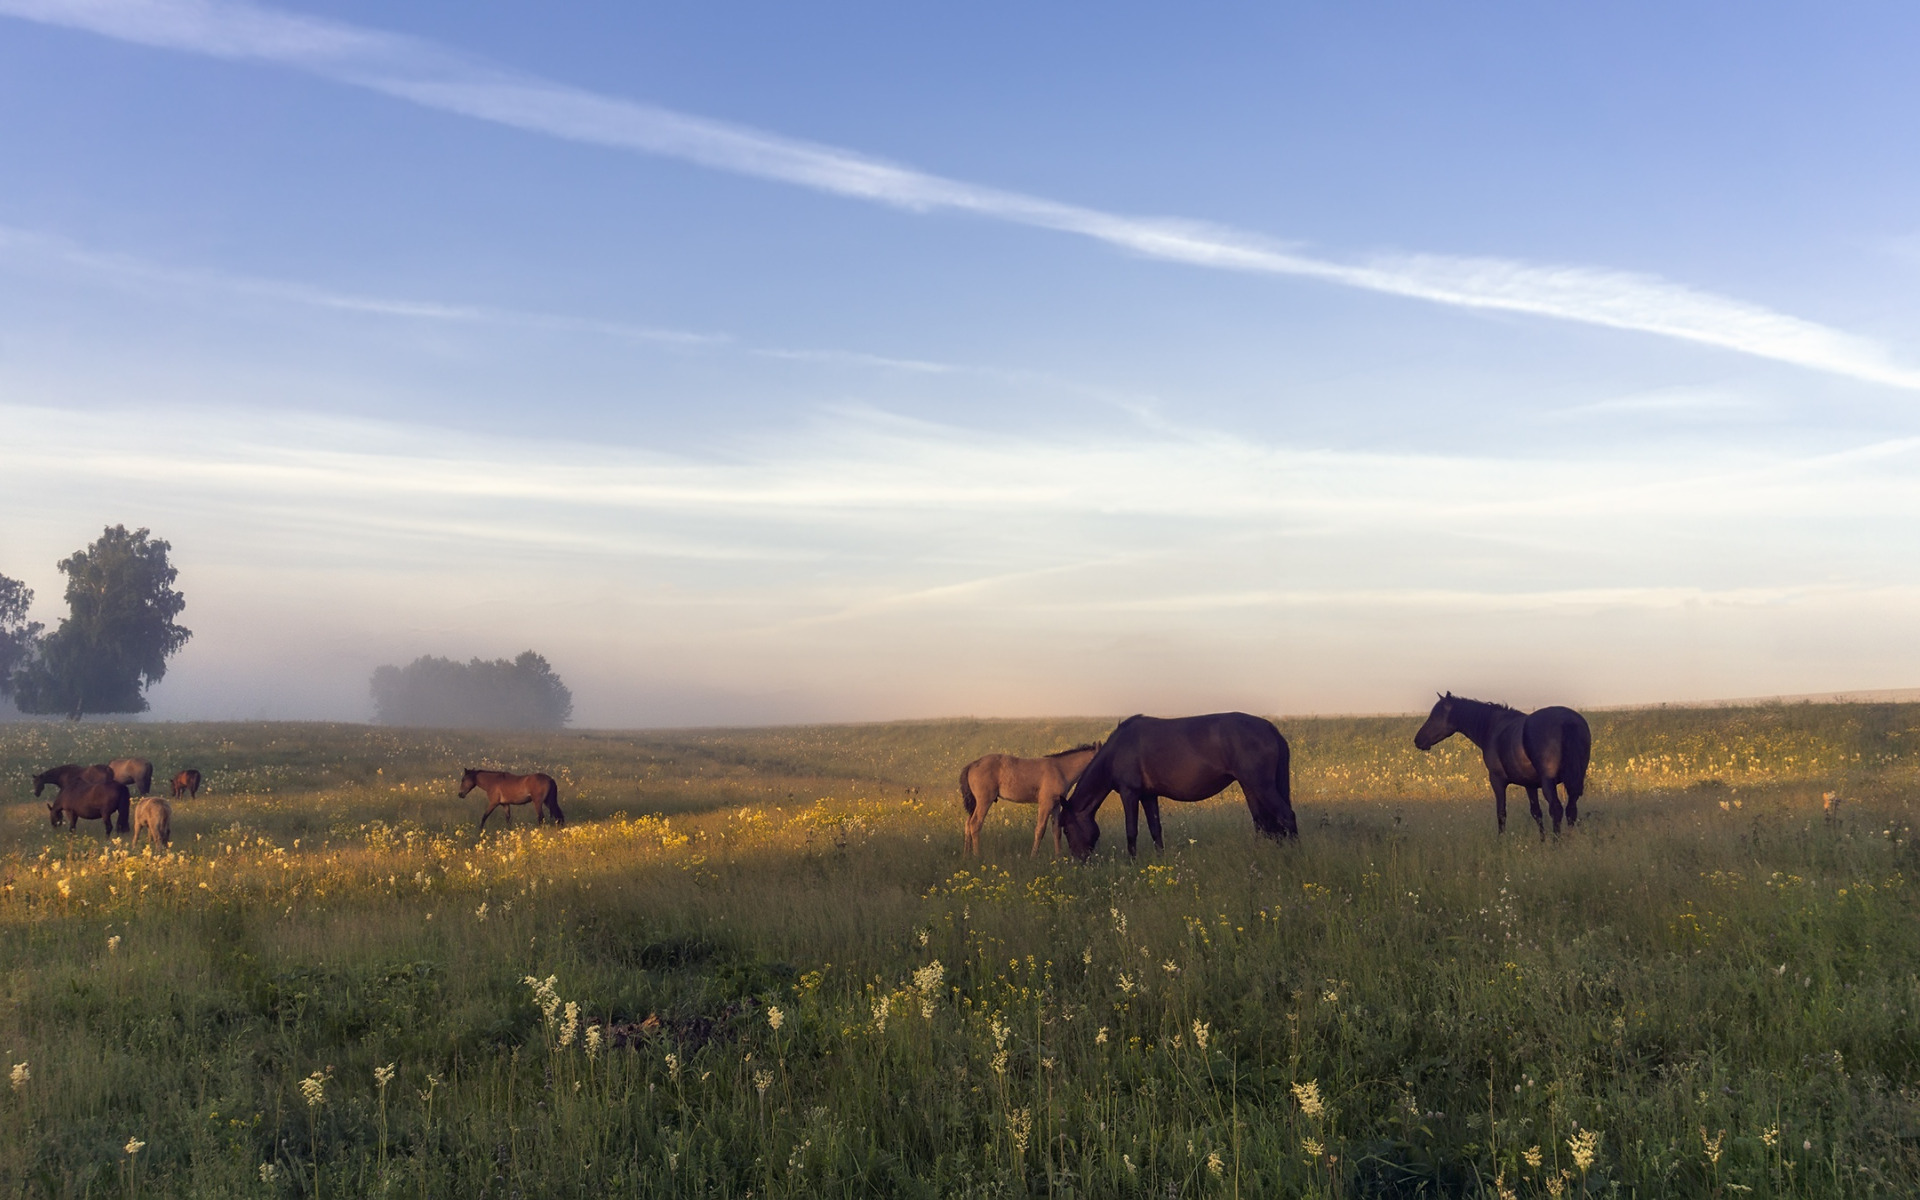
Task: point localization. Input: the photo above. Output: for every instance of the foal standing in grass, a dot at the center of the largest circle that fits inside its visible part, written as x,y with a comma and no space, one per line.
1040,781
503,789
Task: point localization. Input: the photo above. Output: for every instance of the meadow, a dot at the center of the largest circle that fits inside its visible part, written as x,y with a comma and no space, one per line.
755,964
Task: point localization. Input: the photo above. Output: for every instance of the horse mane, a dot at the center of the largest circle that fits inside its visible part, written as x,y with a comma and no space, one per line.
1074,749
1496,705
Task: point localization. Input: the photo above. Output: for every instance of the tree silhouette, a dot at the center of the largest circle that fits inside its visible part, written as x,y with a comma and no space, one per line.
439,692
120,632
18,636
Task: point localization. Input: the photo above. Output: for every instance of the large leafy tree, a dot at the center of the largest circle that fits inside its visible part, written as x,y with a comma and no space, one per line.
120,632
18,636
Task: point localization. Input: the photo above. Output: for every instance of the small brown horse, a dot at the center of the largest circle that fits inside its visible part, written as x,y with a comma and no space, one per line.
102,801
1537,750
1039,781
136,773
187,782
156,817
72,775
503,790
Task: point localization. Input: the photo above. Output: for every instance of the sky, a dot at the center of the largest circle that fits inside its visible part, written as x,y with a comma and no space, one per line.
767,363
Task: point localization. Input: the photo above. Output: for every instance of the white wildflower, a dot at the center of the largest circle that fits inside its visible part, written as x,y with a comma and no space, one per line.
1308,1094
135,1145
1583,1146
313,1089
21,1075
382,1076
775,1018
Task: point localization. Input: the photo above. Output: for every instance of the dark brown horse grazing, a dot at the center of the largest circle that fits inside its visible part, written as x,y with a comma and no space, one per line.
187,782
1183,758
72,775
503,790
1038,781
1537,750
136,773
90,801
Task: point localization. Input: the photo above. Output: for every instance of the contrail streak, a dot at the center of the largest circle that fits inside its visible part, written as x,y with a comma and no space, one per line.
433,76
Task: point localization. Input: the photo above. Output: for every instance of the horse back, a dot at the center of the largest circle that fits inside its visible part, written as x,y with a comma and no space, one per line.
90,800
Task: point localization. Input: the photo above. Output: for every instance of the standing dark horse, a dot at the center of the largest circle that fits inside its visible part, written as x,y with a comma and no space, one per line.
90,800
72,775
503,789
186,782
1182,758
1536,750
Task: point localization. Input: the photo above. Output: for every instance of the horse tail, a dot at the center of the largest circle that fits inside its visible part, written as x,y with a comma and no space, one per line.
1283,788
966,789
1576,752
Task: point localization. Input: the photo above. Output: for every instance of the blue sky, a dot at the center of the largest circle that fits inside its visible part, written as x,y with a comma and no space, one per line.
767,363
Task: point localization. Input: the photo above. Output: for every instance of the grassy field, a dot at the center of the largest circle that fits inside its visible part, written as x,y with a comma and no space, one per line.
755,964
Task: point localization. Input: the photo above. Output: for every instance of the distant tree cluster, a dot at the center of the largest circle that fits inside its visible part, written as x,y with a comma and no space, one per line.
520,694
116,640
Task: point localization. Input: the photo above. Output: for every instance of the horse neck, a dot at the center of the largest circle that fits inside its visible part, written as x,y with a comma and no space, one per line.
1474,719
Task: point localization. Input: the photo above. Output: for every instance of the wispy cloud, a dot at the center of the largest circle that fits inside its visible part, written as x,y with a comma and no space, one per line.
131,269
434,76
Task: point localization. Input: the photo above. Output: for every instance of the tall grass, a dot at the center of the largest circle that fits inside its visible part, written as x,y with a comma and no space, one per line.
1708,989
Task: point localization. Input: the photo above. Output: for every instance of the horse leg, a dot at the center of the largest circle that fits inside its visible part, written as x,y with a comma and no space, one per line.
483,816
1044,803
1500,803
1553,803
976,820
1130,801
1152,805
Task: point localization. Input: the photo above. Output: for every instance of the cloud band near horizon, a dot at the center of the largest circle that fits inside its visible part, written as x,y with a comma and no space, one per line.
432,76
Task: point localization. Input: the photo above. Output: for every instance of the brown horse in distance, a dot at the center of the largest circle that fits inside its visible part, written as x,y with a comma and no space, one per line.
102,801
187,782
72,775
1039,781
503,790
1537,750
1183,758
136,773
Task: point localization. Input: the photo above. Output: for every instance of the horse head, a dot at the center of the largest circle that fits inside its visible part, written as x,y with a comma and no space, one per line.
41,781
1439,726
469,781
1083,832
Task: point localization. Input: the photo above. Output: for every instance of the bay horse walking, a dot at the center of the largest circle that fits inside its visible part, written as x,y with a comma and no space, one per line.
104,801
187,783
504,790
1043,782
1540,750
1187,759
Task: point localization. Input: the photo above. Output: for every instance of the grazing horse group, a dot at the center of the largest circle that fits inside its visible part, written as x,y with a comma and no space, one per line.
105,791
1149,759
